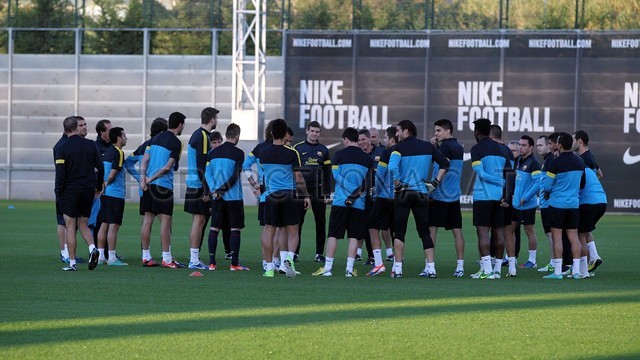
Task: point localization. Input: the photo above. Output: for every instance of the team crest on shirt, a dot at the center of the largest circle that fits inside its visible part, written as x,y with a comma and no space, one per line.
319,153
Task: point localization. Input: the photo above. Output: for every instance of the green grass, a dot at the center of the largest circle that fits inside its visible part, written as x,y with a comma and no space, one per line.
161,313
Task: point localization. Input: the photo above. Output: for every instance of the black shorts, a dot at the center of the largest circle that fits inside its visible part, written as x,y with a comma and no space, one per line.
157,200
145,202
524,217
544,216
193,203
564,218
445,214
590,214
367,216
111,210
381,216
368,203
261,213
488,213
59,216
280,209
349,219
227,214
76,203
410,201
509,214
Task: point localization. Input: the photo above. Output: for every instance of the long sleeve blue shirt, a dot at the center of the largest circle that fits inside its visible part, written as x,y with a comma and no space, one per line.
563,180
490,161
411,160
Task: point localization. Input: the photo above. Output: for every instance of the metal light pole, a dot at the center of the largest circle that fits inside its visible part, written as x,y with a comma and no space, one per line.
248,96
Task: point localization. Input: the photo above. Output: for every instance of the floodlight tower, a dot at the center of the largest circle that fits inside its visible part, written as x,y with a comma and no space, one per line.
248,97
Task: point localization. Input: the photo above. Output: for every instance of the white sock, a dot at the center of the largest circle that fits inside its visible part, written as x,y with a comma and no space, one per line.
264,264
112,256
497,268
283,255
359,252
389,252
532,256
557,266
269,266
593,252
195,255
166,257
485,264
101,252
146,254
91,247
397,267
65,252
584,269
512,264
350,262
459,265
72,262
328,263
575,269
290,255
377,256
431,267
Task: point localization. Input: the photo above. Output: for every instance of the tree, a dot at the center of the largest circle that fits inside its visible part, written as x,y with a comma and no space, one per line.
612,15
115,14
192,14
294,14
318,17
45,14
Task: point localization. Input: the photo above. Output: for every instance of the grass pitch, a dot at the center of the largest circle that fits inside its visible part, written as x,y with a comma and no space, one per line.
133,312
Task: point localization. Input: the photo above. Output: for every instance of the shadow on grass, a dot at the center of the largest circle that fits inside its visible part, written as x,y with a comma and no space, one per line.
219,321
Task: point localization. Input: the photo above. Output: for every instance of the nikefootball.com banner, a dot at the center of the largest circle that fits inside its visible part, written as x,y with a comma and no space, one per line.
528,83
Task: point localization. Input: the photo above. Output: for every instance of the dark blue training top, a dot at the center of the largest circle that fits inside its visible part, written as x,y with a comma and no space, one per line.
449,189
223,171
76,163
490,161
593,192
161,148
527,184
197,154
383,183
102,145
410,163
563,181
254,158
63,139
113,159
278,164
544,202
351,167
316,165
